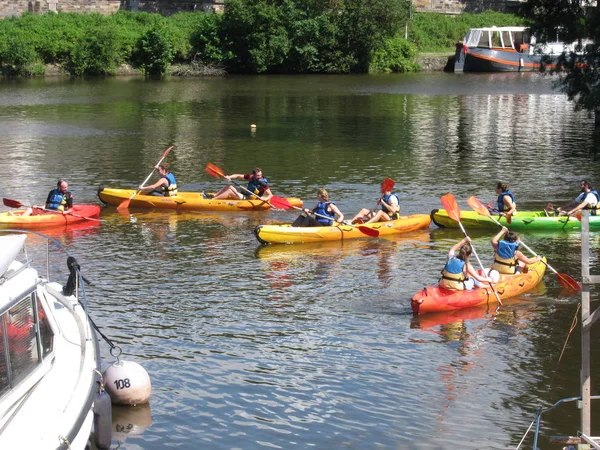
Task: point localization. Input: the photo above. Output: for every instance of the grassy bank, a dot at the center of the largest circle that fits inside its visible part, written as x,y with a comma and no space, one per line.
209,44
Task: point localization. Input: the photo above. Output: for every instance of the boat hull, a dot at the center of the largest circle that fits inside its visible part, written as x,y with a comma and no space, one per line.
80,214
436,299
286,234
522,221
493,60
184,201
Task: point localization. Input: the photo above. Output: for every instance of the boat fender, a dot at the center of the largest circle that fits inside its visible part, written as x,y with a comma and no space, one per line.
102,420
493,274
127,383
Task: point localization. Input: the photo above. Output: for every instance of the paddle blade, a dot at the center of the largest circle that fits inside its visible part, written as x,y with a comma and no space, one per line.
368,231
281,203
387,185
124,204
568,282
478,207
451,207
12,203
214,171
167,151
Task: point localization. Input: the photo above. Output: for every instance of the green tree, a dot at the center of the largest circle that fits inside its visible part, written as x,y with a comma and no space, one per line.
579,74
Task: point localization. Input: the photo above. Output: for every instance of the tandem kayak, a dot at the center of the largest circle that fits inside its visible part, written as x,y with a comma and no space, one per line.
523,220
184,201
287,234
43,218
436,299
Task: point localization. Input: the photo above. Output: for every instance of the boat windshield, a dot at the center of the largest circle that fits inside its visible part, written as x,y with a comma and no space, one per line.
503,37
27,344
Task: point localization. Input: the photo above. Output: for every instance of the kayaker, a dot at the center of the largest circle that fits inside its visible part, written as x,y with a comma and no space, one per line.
322,215
257,185
59,199
507,257
458,273
588,199
166,186
506,200
389,207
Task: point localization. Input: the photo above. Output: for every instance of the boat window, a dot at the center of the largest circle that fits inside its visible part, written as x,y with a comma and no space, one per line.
46,336
497,39
4,383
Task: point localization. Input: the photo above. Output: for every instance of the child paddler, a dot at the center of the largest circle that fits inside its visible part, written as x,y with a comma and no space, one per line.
458,273
507,257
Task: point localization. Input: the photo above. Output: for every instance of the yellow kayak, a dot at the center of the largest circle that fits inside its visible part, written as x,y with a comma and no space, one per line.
184,201
286,234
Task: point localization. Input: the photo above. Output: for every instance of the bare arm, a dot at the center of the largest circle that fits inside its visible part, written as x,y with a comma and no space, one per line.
473,273
521,257
512,208
155,185
458,245
496,238
335,210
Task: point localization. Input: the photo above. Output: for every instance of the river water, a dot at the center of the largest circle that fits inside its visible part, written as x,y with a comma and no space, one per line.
314,346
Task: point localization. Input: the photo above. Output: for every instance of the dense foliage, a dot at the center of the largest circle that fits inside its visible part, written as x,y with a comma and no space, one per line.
576,21
252,36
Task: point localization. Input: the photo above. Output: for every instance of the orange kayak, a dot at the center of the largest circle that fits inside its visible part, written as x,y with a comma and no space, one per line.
436,299
42,218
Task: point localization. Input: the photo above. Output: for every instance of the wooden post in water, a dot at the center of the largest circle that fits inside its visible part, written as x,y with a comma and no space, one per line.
587,319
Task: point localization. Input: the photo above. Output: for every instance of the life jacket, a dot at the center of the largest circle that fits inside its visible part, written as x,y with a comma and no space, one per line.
57,200
504,258
321,209
386,198
501,206
257,186
453,274
171,189
593,209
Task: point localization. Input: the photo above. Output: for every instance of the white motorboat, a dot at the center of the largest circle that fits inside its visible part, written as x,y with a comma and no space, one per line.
49,358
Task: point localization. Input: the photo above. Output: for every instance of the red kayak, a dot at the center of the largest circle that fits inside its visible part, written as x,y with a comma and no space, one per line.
43,218
436,299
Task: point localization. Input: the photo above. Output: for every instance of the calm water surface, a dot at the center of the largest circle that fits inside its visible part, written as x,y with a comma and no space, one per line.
313,346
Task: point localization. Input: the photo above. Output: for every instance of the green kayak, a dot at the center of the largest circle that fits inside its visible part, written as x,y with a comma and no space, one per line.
523,220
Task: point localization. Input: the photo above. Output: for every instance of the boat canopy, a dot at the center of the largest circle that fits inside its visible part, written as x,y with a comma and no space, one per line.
497,37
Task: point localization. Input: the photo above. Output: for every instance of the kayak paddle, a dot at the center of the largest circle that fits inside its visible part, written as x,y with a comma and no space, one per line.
214,171
125,203
563,279
282,203
17,204
451,207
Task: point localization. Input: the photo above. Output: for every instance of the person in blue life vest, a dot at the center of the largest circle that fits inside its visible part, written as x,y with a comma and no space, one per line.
588,199
506,200
389,207
507,256
458,273
258,186
322,215
59,199
167,184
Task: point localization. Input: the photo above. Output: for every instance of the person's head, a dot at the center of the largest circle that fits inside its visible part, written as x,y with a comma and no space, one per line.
585,185
323,195
511,236
464,252
257,172
62,185
502,187
163,168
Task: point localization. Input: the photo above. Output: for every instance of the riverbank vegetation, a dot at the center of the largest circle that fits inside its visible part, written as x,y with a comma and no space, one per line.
252,36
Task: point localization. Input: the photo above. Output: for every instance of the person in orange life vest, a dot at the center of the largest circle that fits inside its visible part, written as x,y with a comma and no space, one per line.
167,184
389,209
507,257
458,273
59,199
257,184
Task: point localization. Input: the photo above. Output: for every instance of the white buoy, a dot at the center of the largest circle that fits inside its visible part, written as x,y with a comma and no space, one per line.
127,383
253,126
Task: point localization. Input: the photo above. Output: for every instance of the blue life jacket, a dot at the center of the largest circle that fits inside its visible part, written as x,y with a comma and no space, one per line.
501,206
453,274
504,258
257,186
321,209
57,200
386,198
171,189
